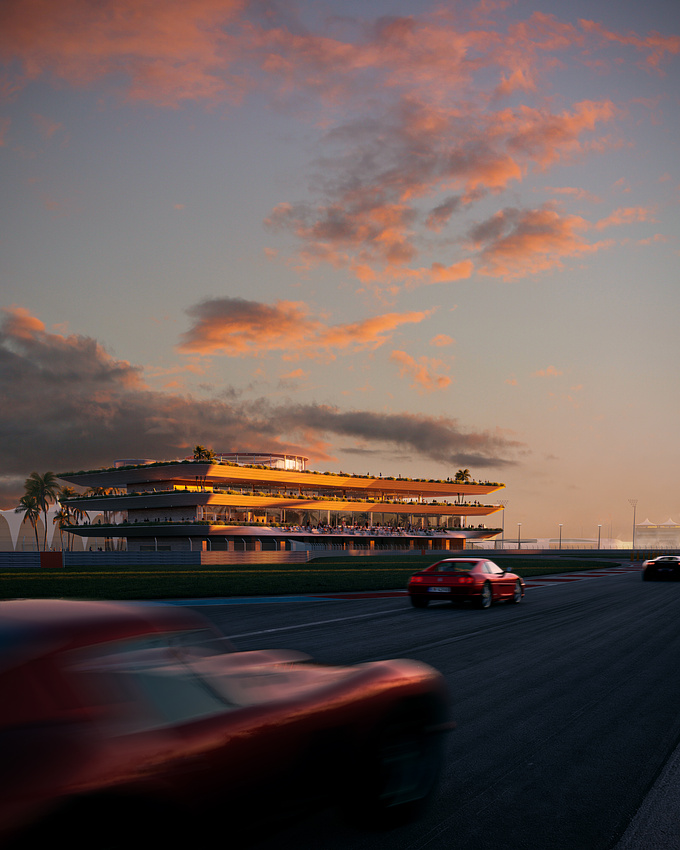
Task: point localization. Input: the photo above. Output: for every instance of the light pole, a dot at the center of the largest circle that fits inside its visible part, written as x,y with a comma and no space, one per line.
633,503
560,537
519,535
599,531
503,503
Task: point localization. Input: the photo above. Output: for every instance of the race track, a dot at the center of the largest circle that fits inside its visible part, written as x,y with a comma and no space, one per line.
568,706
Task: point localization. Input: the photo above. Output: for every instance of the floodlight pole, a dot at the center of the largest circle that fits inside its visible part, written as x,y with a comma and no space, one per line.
503,503
560,536
633,503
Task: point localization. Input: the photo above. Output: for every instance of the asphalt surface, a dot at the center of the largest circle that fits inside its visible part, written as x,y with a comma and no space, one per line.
567,709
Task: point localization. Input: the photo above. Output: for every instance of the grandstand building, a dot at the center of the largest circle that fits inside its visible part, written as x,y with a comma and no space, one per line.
268,501
657,535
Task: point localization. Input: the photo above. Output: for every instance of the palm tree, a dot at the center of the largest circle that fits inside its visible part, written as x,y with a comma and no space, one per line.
462,477
202,453
70,512
66,511
44,489
31,510
62,517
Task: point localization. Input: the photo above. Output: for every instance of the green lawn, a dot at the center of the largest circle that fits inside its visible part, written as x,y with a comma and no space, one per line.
322,575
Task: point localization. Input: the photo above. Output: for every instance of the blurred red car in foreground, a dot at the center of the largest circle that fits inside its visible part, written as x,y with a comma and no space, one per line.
124,723
465,579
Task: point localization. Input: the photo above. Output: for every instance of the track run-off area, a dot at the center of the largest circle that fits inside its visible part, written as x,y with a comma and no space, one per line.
567,708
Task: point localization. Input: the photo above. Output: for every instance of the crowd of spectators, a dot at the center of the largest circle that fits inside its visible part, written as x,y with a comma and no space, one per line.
375,530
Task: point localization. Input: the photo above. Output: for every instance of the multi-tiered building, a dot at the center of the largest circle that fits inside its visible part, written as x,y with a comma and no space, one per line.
246,501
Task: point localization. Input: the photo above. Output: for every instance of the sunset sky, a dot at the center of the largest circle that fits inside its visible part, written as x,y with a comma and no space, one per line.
399,237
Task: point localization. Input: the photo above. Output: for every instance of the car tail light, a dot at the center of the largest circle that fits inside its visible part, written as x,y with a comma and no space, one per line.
416,579
465,580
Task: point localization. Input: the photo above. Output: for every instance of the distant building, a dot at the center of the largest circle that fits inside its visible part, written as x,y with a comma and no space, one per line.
251,501
664,535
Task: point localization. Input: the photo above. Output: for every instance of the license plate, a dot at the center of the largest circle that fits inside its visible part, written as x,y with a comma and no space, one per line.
440,590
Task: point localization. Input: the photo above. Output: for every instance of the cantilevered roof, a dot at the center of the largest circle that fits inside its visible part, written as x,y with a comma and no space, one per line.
190,472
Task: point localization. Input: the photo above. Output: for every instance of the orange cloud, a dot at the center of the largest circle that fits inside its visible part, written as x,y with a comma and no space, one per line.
369,217
515,243
574,192
546,138
658,237
442,340
654,45
404,164
294,375
457,271
169,52
627,215
550,372
423,372
19,323
240,328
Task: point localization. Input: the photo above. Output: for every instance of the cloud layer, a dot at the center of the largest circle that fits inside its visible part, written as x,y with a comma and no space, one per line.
393,172
67,403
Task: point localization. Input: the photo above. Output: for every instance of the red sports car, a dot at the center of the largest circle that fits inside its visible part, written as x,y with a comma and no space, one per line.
127,725
465,579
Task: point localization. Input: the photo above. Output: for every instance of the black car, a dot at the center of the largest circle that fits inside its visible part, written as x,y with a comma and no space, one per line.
663,568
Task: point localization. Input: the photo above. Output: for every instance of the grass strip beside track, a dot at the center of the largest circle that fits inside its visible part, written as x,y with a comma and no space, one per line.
323,575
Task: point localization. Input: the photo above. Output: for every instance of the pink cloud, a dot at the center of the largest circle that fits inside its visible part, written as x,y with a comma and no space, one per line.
295,375
655,46
369,217
423,372
47,126
627,215
550,372
574,192
514,243
396,172
169,52
657,238
239,328
546,138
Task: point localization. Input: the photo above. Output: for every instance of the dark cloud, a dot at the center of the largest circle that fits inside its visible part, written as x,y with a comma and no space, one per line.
436,438
441,214
66,404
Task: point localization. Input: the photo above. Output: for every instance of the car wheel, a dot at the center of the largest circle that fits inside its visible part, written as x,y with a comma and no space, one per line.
419,601
517,595
484,600
399,773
